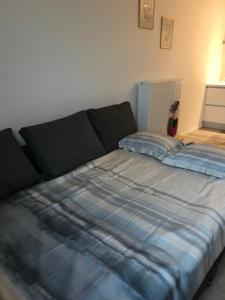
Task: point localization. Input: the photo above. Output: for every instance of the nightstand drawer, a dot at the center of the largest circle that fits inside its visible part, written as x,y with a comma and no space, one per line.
215,96
214,114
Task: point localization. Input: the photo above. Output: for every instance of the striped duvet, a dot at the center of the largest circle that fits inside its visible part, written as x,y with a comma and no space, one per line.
123,227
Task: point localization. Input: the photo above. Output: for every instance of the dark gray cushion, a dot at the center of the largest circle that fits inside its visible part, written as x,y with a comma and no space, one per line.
16,171
31,158
63,145
112,123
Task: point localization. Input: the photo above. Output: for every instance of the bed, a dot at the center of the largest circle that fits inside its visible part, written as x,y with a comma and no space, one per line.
123,226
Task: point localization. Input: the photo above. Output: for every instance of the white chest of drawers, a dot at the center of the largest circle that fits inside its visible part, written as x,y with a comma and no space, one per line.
214,115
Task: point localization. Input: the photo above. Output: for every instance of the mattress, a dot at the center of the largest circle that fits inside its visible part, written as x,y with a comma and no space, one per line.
123,226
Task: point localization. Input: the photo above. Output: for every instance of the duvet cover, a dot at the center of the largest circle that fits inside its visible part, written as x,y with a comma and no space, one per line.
123,226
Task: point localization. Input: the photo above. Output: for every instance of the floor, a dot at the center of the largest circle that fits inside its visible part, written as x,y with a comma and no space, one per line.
215,137
205,136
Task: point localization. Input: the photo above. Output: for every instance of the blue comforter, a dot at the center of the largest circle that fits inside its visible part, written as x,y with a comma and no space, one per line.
121,227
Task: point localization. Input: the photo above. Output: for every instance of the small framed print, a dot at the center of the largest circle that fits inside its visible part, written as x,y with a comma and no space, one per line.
166,33
146,14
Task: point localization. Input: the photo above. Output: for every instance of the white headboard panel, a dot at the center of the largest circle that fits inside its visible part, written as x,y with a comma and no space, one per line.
154,100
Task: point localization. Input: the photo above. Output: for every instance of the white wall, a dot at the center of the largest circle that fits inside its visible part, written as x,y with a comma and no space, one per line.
60,56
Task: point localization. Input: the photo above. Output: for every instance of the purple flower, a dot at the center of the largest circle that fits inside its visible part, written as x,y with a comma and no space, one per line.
174,107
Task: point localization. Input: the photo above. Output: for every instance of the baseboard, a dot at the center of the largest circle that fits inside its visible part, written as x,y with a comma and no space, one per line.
213,125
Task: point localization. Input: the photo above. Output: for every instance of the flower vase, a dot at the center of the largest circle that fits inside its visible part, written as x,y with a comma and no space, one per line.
172,126
173,119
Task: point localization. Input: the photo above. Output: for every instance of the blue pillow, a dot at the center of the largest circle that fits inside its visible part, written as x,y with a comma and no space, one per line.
201,158
152,144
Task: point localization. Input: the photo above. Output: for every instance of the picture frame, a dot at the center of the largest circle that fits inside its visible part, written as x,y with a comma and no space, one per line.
146,14
166,36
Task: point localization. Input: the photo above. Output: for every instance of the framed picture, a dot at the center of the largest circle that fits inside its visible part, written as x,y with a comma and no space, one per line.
166,33
146,14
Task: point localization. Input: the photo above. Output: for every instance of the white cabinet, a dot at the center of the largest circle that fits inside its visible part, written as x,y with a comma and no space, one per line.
154,100
214,116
